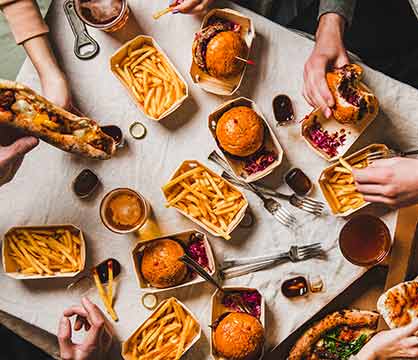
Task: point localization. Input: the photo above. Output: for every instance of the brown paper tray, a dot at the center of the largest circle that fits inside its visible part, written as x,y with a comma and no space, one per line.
184,237
122,52
324,175
218,310
230,86
125,346
10,267
351,131
189,164
365,291
270,142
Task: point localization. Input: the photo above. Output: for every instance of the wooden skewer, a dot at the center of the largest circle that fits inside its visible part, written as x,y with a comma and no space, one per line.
163,12
249,62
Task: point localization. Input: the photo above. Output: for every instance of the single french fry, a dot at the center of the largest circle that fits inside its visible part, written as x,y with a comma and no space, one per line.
103,296
345,164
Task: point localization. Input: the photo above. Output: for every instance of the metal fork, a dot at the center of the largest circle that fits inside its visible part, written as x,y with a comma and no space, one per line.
303,203
295,254
272,206
380,154
280,213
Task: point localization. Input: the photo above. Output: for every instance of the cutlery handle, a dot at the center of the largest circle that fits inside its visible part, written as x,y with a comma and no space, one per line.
412,152
253,261
271,192
200,270
241,271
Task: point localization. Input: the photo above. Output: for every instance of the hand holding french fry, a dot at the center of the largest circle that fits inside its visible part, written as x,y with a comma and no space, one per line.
98,339
393,182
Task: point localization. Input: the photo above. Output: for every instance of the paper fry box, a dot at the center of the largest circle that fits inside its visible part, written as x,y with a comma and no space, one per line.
184,238
348,133
220,86
270,141
327,174
218,309
127,346
192,164
11,268
123,52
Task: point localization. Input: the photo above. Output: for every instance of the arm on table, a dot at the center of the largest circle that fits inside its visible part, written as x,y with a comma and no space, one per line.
30,30
329,52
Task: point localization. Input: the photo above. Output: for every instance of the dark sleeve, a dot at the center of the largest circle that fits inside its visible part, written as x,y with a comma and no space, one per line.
344,8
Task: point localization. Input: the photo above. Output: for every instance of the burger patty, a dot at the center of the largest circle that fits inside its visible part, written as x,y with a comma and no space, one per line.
202,39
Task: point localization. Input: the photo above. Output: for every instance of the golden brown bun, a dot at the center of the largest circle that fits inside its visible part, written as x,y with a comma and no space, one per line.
160,265
240,131
354,102
239,336
221,52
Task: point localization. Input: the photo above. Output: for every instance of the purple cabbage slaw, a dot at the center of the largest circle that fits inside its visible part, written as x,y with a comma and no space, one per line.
260,161
251,300
321,138
197,251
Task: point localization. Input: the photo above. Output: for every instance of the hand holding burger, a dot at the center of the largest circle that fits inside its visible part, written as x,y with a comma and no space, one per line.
329,53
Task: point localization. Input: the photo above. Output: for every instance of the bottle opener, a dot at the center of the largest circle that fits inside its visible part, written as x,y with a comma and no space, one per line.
82,37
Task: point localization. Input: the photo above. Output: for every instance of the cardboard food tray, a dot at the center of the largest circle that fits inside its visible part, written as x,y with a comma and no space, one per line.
184,237
270,141
121,54
190,164
229,86
217,309
126,354
351,131
364,292
10,267
323,179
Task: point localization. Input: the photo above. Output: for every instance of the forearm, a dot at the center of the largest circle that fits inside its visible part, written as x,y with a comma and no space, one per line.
331,25
42,56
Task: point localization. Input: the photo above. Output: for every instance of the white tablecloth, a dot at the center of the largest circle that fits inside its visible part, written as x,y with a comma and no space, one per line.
41,192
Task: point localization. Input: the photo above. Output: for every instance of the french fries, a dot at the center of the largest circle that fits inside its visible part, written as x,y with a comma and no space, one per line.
204,196
340,185
151,79
44,251
165,335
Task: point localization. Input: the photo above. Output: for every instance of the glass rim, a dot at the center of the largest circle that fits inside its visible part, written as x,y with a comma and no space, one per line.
101,26
382,256
106,198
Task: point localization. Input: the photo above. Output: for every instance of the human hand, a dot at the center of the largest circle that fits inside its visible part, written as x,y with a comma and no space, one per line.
191,6
98,340
393,182
329,52
396,343
13,147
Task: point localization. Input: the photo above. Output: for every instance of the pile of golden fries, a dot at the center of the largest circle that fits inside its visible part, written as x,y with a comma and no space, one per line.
44,252
206,197
165,335
151,78
340,184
